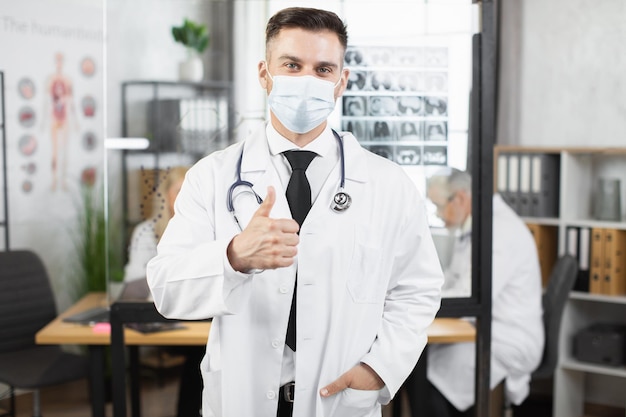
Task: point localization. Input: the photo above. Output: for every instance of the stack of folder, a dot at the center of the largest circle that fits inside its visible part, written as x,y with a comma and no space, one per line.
529,182
602,256
608,262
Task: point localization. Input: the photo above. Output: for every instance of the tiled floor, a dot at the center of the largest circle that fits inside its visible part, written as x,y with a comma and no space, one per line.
158,400
72,400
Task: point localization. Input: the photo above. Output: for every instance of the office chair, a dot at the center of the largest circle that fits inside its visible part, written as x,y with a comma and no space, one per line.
26,305
560,283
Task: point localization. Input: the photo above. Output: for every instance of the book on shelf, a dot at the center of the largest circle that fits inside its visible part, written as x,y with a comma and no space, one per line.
502,178
529,182
577,244
513,182
608,262
584,259
546,239
524,199
597,261
614,262
545,180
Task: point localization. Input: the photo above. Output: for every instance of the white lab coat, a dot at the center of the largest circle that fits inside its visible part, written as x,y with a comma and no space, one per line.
517,333
368,284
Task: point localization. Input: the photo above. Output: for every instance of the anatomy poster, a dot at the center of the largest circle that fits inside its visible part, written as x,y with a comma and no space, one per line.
52,63
51,56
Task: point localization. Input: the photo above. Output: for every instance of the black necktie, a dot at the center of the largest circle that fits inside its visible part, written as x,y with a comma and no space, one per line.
299,199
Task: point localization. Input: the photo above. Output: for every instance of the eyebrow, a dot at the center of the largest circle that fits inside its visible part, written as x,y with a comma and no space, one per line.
296,59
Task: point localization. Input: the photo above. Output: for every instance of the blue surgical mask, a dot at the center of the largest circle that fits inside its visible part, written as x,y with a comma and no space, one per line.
301,103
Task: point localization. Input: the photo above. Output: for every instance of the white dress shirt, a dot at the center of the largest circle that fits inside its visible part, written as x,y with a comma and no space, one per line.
326,148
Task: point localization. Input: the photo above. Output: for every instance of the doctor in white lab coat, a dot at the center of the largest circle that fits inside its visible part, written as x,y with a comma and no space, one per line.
368,277
517,333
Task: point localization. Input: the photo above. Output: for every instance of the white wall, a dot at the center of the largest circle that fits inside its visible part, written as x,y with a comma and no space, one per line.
563,83
250,18
572,88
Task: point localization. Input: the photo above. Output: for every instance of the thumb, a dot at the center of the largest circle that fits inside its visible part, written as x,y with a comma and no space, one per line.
266,206
334,387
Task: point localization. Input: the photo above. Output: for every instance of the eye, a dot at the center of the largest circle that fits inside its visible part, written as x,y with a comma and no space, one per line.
292,65
324,70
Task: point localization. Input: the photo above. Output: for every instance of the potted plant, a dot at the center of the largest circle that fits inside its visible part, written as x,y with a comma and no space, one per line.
97,253
195,37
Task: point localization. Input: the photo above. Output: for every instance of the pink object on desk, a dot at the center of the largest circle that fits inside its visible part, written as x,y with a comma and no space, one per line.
101,328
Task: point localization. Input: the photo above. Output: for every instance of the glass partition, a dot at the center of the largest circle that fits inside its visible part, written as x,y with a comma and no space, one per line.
408,97
162,118
408,100
412,97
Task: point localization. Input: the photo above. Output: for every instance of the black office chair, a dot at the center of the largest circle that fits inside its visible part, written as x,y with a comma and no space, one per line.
26,305
560,284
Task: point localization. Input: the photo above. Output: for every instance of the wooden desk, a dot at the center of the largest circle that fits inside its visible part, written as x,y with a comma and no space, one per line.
450,330
441,331
58,332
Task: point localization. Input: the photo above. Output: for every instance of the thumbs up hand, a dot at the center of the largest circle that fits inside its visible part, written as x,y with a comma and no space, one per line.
265,243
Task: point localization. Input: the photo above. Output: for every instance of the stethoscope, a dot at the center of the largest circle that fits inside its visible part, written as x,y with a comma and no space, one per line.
341,200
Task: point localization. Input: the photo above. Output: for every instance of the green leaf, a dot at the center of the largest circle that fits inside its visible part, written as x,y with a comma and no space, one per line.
192,35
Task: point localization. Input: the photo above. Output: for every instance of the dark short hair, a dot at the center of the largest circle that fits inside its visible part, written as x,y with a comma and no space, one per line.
314,20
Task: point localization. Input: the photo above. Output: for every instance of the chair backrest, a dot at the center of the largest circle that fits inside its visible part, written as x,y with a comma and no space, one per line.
26,300
556,294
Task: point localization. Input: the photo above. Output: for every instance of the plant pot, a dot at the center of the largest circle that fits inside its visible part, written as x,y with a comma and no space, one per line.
192,69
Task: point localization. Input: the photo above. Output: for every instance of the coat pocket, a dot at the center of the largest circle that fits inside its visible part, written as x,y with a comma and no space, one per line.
365,283
357,403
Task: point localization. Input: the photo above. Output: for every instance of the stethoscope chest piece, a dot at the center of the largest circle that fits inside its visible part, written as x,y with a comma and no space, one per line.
341,201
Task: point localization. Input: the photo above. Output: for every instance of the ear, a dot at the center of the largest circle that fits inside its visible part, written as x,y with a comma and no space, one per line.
262,70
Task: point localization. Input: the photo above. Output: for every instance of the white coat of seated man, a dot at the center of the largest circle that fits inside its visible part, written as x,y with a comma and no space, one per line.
517,339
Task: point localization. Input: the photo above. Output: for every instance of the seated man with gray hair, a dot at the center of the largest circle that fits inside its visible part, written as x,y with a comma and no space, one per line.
517,329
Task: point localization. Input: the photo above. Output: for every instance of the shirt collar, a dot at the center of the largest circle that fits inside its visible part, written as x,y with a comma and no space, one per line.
466,229
321,145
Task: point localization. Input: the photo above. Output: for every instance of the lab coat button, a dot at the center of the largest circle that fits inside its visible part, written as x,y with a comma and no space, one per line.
271,395
275,343
283,290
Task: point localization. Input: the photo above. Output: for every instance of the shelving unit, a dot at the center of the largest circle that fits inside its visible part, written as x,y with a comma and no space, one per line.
184,121
4,219
572,376
580,169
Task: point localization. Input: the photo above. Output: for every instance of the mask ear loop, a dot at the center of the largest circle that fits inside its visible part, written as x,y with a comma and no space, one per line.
338,82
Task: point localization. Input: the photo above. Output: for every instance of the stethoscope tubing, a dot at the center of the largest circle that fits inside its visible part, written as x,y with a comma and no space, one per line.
239,182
